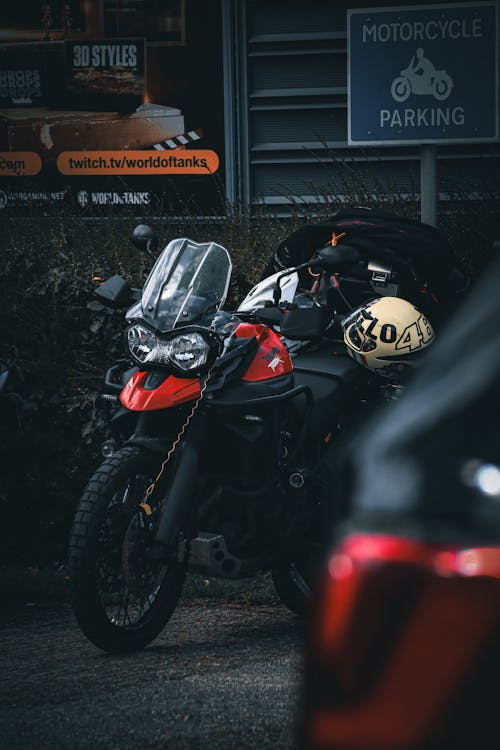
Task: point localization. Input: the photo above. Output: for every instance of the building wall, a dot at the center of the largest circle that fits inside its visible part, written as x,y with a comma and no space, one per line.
290,123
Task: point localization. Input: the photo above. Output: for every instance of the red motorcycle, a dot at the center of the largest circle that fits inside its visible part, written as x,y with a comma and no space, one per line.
220,443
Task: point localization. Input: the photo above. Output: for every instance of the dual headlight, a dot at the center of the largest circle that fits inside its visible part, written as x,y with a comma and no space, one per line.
189,351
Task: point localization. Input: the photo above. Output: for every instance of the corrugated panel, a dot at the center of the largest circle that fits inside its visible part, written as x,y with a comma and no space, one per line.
298,72
297,16
297,84
287,17
298,126
325,180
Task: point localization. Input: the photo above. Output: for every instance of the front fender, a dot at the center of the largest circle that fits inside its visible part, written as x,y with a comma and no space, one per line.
171,392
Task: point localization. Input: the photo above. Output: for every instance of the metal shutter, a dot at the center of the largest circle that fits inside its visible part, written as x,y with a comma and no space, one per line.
291,101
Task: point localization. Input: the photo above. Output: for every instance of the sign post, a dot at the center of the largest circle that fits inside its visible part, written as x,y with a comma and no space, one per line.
428,184
423,75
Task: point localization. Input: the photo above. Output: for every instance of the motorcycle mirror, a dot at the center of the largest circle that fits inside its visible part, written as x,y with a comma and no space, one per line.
145,239
334,257
114,293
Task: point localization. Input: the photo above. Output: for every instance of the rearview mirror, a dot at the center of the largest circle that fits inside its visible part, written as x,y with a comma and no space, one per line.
334,257
114,293
144,238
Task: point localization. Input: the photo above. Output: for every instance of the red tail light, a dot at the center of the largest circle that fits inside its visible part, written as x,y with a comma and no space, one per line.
405,648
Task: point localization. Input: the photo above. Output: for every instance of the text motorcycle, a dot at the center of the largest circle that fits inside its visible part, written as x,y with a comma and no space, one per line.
220,457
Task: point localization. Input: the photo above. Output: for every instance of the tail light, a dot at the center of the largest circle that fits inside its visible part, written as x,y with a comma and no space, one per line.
404,649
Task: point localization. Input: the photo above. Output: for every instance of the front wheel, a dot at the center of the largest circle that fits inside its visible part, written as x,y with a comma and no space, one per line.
442,86
121,598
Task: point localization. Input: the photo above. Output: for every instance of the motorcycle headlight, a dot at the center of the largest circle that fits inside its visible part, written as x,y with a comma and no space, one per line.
141,342
187,352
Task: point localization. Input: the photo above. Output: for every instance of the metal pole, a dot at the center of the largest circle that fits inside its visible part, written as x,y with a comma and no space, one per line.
428,184
228,66
244,128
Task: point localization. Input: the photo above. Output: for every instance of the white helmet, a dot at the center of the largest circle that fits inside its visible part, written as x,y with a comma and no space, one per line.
387,335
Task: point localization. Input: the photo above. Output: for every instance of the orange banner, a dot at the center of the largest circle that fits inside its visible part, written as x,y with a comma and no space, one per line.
181,161
19,163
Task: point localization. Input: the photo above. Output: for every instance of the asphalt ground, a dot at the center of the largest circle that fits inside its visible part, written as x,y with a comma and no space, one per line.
223,674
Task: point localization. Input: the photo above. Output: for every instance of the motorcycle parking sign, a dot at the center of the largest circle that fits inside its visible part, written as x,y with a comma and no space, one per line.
423,74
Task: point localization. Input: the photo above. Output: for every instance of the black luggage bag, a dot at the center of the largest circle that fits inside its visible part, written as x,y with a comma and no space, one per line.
430,274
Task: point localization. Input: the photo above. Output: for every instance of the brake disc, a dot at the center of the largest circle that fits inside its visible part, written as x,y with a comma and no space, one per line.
141,574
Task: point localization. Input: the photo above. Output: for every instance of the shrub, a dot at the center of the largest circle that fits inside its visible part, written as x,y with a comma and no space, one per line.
58,343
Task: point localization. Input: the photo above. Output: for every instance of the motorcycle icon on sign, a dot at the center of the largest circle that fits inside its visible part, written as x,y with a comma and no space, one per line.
421,77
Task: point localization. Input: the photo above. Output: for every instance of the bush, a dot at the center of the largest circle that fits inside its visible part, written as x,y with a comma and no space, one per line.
58,343
56,347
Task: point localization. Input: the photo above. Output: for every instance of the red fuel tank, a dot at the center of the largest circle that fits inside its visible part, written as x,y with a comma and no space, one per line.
272,359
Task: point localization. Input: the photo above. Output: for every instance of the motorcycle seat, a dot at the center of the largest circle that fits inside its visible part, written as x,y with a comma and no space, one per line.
324,362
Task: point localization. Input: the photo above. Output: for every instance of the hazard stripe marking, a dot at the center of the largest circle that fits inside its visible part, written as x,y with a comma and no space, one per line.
179,140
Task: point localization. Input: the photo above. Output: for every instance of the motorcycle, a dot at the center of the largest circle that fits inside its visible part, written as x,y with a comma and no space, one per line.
440,85
223,429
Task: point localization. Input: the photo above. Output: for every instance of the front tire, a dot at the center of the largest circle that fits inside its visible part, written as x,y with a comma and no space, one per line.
121,599
442,87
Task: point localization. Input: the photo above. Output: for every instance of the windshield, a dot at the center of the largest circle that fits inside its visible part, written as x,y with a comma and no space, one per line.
188,283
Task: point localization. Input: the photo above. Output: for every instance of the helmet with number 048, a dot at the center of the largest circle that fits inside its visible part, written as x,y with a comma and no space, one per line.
387,335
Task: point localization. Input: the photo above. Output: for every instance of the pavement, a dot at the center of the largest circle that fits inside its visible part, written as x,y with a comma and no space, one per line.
221,675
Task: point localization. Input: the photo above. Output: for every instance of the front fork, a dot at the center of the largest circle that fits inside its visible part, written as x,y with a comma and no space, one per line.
176,508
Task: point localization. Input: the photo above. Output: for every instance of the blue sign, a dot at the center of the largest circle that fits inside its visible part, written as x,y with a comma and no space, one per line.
423,74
